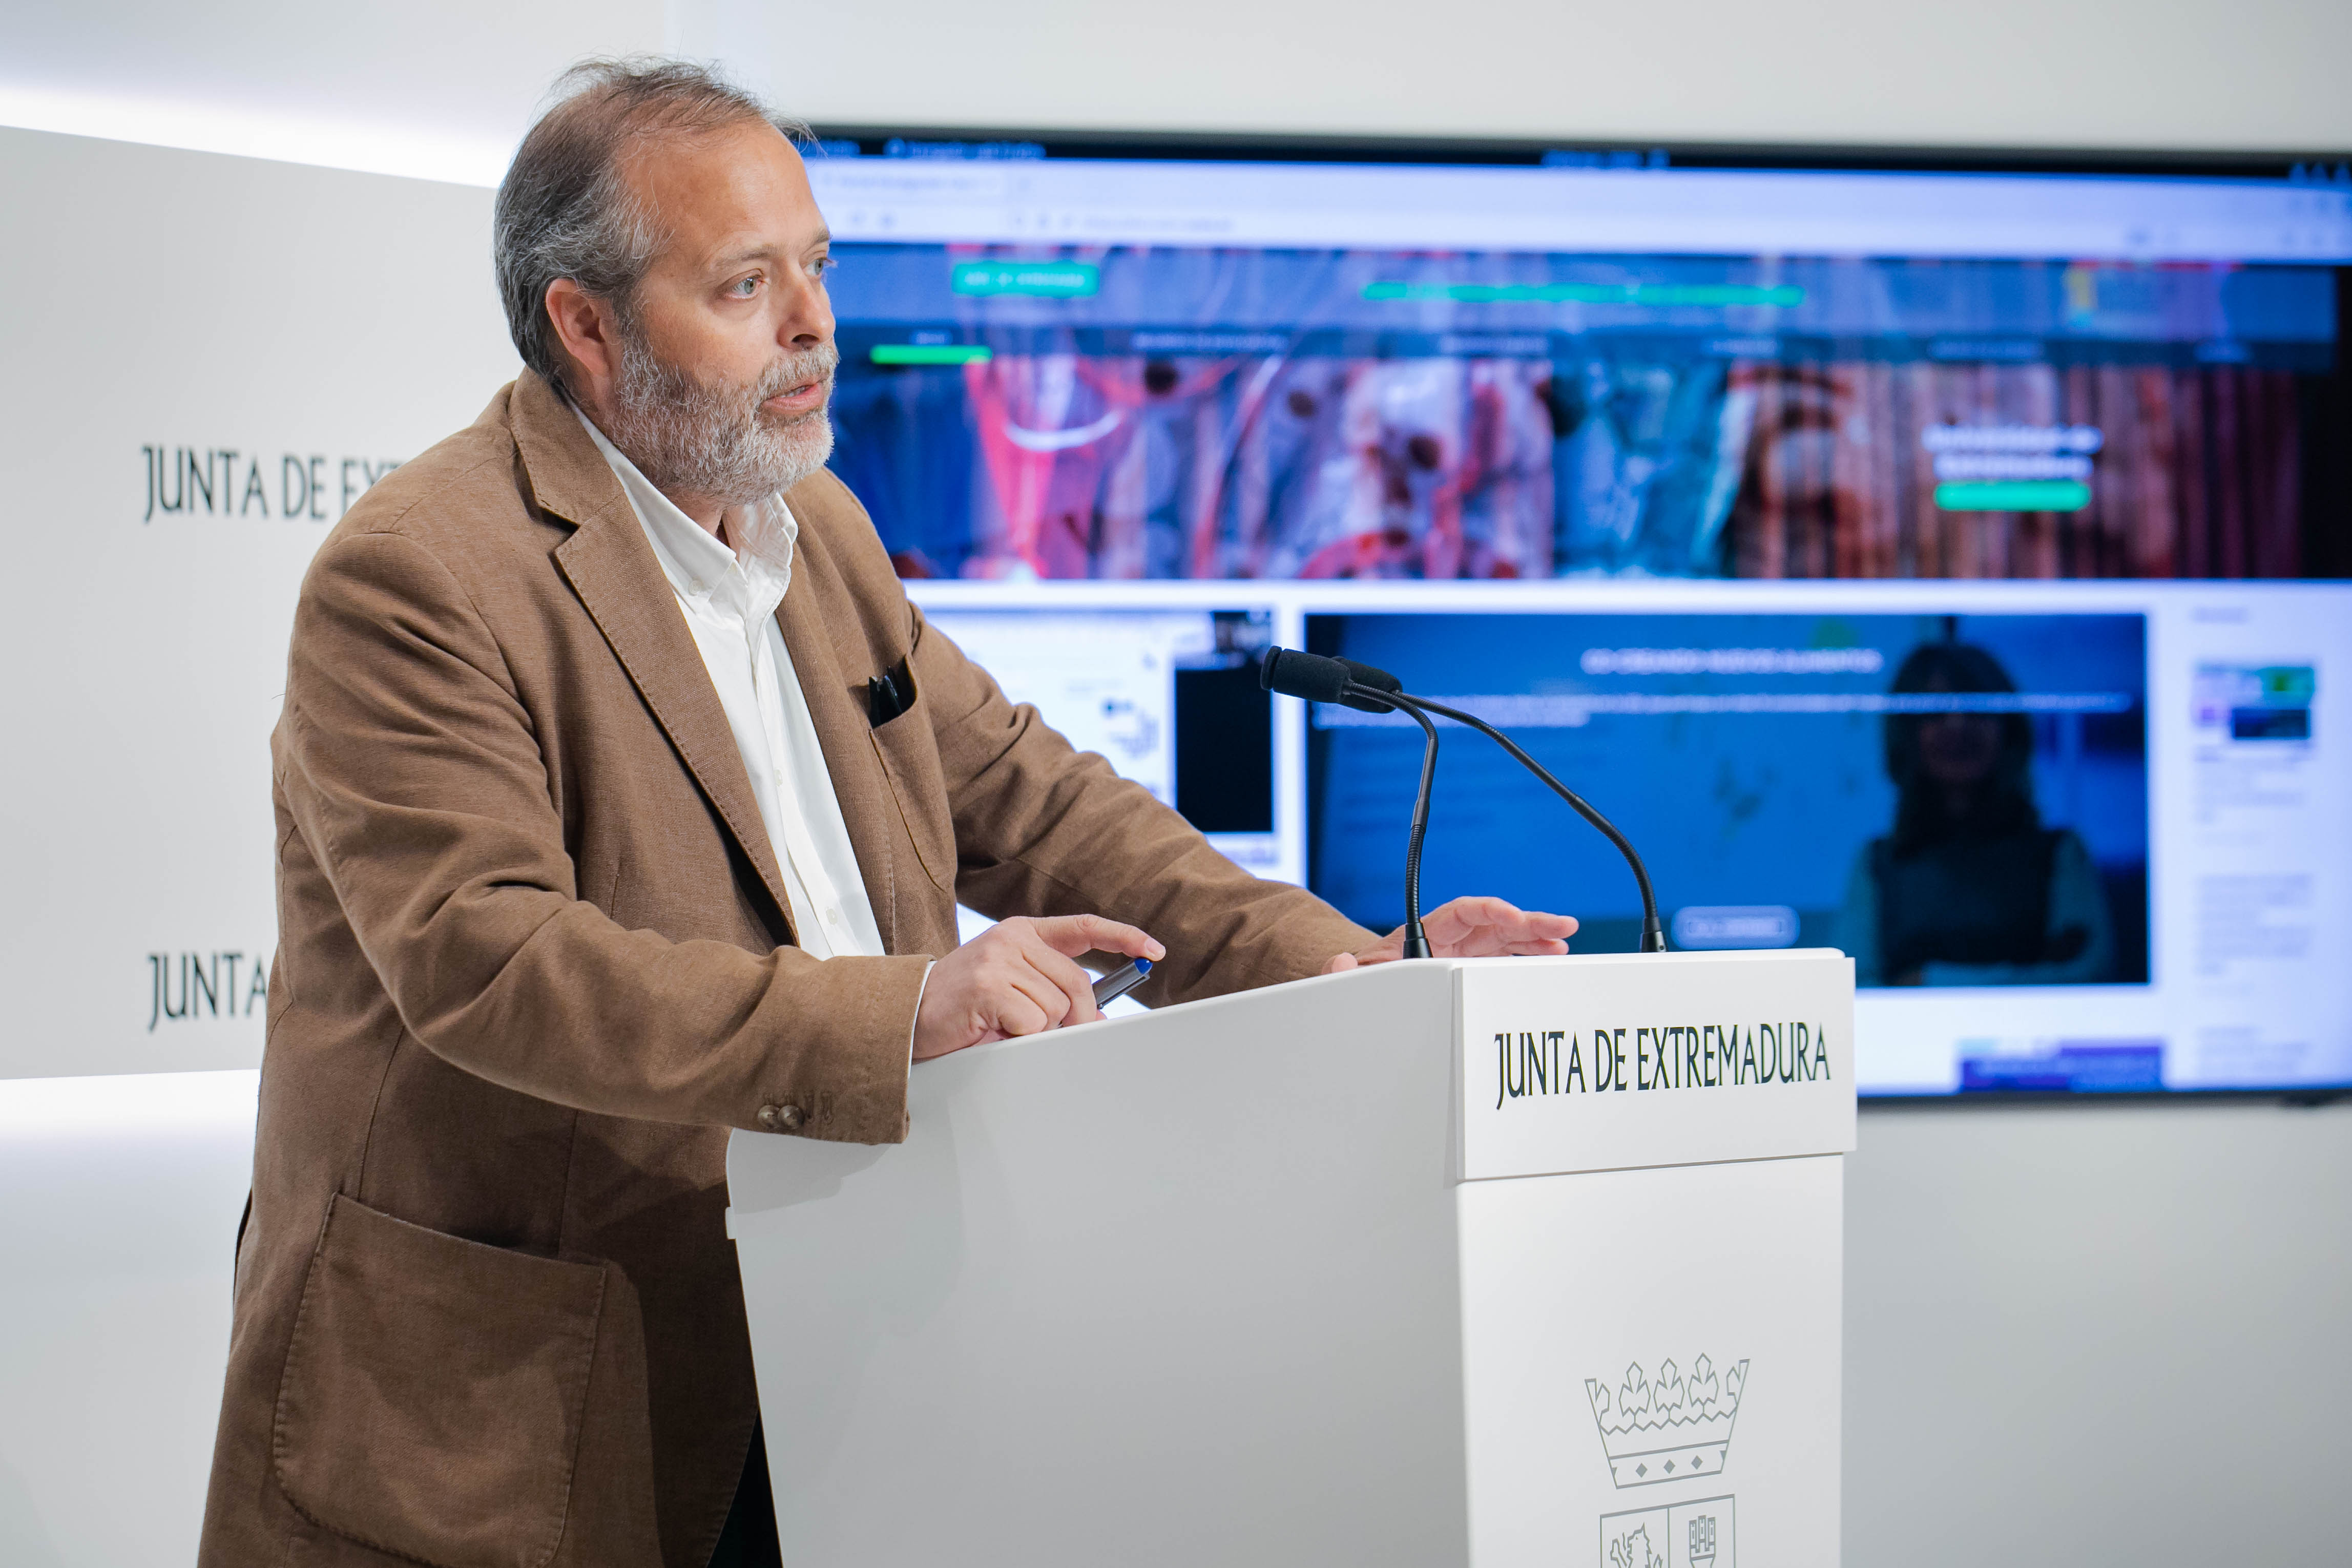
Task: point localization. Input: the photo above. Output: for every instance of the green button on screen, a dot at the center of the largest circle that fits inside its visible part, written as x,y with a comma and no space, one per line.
1047,279
2014,496
932,353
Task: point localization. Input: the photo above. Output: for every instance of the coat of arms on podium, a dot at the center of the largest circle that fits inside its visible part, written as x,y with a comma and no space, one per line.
1668,1428
1686,1535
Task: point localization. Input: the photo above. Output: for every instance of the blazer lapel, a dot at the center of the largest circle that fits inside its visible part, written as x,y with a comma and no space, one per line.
612,567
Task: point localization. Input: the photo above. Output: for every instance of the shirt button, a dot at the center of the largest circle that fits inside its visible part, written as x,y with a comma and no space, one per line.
697,586
833,917
781,1118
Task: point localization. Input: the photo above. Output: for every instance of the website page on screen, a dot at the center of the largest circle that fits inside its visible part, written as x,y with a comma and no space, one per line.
1520,391
1573,450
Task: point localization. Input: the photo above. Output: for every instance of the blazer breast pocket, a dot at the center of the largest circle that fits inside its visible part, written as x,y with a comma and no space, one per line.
909,755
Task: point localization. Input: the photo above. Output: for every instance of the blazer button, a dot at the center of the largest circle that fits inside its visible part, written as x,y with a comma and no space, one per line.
781,1118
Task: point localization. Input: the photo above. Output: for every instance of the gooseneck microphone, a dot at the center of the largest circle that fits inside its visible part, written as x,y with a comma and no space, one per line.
1315,679
1318,679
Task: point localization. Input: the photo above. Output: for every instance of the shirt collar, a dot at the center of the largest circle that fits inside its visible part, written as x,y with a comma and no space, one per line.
692,556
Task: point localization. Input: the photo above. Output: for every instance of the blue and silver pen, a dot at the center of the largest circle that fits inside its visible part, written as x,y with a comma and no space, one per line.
1118,982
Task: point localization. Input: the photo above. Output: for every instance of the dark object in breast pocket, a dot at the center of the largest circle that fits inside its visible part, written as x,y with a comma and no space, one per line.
889,695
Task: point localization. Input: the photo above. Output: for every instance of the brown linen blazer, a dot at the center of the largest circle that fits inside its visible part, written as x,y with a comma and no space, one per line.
535,961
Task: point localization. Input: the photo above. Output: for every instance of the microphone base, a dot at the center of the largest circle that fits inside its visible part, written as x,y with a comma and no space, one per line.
1416,944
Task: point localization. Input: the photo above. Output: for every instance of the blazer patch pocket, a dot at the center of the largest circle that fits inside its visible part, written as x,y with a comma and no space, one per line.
434,1391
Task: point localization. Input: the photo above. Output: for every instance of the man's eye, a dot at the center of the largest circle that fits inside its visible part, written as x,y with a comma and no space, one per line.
744,287
822,265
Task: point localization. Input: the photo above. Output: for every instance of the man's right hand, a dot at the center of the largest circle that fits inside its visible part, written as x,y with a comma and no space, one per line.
1019,977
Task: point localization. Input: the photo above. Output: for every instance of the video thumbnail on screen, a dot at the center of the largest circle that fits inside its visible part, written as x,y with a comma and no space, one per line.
1954,801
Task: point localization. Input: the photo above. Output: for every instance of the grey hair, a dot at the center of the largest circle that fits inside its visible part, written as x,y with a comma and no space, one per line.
565,209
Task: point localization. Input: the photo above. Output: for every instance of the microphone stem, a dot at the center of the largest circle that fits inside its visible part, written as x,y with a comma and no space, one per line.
1654,933
1416,941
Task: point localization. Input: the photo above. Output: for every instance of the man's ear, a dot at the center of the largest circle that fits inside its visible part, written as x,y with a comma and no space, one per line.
586,327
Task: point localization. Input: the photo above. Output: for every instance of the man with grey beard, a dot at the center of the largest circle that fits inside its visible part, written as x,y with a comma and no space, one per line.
622,800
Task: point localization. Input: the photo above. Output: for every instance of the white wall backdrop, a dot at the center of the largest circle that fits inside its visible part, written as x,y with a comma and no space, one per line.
123,1200
2161,73
440,88
209,358
2079,1334
2097,1335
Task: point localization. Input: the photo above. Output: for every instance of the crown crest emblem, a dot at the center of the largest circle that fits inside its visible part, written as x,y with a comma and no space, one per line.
1658,1429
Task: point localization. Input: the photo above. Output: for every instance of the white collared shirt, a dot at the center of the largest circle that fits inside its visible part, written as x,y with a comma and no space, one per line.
729,602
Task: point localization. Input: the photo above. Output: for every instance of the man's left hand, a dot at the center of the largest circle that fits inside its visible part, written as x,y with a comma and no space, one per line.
1472,928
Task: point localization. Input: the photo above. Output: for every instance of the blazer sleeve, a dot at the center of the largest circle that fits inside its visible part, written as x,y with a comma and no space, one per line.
1042,829
409,764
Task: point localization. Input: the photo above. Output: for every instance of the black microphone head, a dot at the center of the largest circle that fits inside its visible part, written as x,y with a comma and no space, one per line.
1288,673
1291,674
1368,675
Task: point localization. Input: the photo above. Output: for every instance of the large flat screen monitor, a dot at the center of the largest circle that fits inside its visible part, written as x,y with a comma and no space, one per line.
1874,536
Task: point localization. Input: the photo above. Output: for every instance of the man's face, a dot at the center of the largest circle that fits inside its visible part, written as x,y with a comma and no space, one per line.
725,352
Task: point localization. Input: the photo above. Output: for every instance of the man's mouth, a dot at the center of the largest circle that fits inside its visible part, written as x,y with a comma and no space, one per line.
794,399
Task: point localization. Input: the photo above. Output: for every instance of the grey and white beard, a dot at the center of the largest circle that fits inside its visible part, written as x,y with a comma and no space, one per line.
710,439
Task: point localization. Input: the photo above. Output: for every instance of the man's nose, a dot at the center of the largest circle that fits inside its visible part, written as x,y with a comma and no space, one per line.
808,317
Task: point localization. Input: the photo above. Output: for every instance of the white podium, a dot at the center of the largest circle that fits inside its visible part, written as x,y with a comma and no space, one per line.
1500,1261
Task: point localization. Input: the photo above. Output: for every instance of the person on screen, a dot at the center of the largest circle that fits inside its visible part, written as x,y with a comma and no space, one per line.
622,800
1968,888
